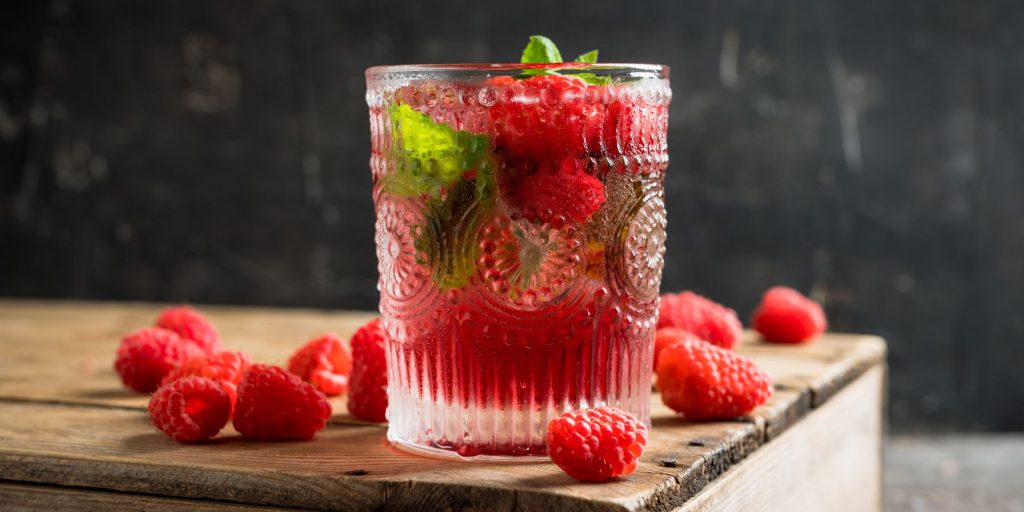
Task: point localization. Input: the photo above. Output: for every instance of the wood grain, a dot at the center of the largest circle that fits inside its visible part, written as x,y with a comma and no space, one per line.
27,498
68,421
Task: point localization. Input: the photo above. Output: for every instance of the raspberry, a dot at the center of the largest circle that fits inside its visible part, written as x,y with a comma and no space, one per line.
190,324
225,368
786,316
190,409
667,336
323,362
707,382
542,117
594,445
708,320
147,355
274,404
368,387
556,192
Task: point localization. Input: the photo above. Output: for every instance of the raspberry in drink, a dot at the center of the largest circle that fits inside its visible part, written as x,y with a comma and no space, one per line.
520,237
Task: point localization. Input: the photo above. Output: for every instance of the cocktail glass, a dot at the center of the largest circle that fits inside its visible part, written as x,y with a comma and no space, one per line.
520,237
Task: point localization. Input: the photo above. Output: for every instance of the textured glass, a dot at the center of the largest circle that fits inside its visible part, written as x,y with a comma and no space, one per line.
500,316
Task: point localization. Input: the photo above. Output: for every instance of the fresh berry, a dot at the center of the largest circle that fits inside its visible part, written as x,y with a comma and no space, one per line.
323,362
708,320
556,192
190,409
707,382
191,324
225,368
274,404
594,445
542,117
667,336
786,316
368,387
146,356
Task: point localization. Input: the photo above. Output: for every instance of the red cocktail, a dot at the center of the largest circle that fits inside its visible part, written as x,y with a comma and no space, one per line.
520,234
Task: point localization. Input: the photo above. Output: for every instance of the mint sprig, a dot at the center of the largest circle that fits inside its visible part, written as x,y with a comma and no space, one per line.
429,155
589,57
541,50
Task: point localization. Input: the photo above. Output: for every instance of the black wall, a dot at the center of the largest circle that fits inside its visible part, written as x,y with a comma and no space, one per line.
869,152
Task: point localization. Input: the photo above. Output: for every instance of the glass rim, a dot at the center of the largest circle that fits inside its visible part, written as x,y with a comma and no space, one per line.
649,70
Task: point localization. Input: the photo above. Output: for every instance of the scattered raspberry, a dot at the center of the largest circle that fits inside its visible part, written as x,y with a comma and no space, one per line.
146,356
667,336
595,445
542,117
190,409
707,382
557,192
274,404
786,316
368,387
323,362
708,320
190,324
225,368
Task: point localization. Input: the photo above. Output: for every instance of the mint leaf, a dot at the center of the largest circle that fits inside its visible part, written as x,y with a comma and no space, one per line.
540,50
452,225
589,57
429,155
593,79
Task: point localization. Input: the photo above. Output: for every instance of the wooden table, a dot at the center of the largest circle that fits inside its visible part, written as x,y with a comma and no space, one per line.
72,438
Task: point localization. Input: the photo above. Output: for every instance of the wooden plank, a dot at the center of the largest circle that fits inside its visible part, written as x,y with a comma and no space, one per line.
55,372
831,461
25,498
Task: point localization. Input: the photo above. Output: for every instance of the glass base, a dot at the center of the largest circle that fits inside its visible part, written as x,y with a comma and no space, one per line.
450,454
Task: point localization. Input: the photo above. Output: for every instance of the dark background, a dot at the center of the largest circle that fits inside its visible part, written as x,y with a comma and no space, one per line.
866,152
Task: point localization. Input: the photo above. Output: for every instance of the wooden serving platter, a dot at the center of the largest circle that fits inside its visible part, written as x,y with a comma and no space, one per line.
70,434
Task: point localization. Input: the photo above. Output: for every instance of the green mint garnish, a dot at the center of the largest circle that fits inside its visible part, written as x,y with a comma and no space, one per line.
589,57
429,155
454,170
540,50
452,226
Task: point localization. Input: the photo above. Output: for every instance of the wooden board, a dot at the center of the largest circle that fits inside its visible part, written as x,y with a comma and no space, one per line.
828,461
67,421
28,497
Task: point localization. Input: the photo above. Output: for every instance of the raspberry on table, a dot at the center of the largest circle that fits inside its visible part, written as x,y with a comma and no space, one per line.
708,320
368,386
323,362
190,409
275,405
557,192
667,336
706,382
225,368
594,445
190,324
146,356
787,316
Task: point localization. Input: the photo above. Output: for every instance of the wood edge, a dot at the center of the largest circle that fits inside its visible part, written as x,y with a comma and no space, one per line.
871,351
34,496
209,484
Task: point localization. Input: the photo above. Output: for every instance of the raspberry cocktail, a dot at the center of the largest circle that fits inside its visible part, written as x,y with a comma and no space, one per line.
520,234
